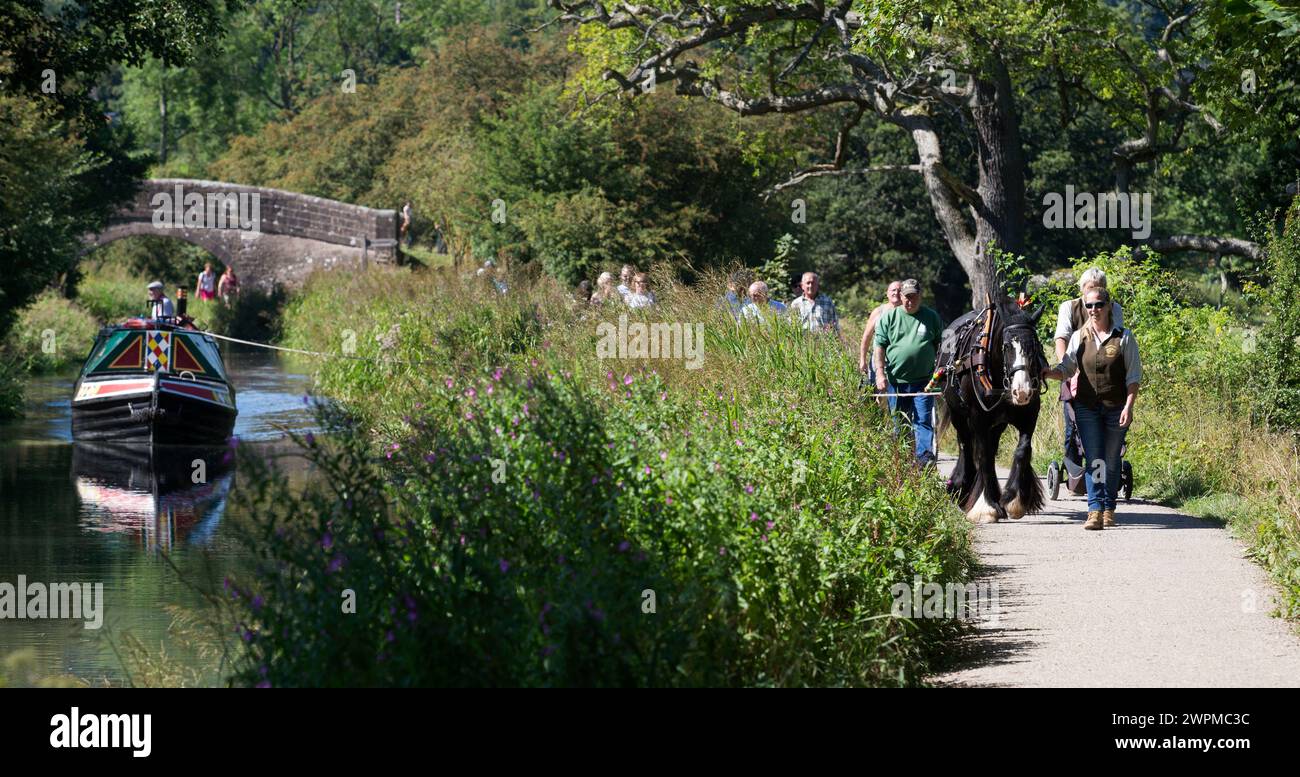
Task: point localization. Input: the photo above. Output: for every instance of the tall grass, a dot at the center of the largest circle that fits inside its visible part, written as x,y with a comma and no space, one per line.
51,334
530,494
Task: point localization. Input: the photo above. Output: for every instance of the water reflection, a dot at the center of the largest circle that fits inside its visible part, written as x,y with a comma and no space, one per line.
155,495
133,519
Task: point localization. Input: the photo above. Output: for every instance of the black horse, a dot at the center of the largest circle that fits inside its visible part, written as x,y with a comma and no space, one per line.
993,363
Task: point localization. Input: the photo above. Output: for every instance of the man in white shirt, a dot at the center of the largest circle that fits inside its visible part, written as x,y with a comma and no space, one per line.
159,305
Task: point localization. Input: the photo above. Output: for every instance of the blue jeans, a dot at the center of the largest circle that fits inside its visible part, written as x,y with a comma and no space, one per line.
918,411
1102,439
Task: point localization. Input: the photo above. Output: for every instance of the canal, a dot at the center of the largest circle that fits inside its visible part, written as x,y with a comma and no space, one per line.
137,522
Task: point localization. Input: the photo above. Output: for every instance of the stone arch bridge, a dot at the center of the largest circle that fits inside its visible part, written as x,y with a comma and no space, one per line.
271,237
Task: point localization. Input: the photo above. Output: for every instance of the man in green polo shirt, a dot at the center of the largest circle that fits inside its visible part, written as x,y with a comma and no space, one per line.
907,340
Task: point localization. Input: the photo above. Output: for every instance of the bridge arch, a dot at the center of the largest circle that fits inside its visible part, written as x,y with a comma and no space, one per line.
270,236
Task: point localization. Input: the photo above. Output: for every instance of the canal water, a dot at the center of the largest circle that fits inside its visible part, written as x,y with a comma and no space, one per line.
136,522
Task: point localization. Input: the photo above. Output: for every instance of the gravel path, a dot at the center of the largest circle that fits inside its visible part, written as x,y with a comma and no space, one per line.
1161,600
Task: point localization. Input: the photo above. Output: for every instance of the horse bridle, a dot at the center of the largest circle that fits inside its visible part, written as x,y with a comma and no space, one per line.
1008,372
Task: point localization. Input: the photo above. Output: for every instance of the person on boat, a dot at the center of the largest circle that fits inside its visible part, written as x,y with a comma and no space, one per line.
206,288
159,305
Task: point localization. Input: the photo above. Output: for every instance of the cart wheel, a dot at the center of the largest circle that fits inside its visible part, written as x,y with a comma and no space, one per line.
1054,479
1126,481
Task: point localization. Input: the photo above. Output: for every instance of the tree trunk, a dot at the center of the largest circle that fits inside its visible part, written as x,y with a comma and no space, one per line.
1001,218
993,213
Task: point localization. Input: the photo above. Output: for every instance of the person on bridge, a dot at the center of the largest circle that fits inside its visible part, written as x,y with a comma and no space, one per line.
406,235
206,288
159,305
1105,356
906,343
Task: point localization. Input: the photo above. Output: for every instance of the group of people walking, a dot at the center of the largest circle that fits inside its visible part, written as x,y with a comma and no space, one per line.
1097,361
750,300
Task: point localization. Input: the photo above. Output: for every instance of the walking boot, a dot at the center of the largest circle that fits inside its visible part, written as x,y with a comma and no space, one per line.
1107,518
1094,520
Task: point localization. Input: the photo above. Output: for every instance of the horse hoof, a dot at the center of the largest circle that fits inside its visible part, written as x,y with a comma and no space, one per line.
983,512
1015,510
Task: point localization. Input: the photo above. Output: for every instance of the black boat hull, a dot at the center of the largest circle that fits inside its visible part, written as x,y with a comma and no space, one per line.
158,417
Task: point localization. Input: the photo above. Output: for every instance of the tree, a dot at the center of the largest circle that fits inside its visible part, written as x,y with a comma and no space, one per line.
63,168
906,63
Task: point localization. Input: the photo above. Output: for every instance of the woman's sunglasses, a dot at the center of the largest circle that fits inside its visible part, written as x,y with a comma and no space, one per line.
1094,305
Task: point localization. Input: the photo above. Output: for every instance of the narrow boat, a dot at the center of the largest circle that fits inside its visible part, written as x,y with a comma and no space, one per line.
158,381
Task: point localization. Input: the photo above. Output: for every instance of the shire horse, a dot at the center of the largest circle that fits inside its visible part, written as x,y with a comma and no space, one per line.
993,363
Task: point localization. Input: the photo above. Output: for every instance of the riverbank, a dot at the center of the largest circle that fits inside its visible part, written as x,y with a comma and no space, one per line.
550,517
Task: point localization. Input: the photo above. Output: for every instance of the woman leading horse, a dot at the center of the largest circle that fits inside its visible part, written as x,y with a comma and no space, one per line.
1110,372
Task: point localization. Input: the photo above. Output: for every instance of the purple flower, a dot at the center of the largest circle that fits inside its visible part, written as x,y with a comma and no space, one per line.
623,546
335,564
257,603
770,524
627,380
749,489
722,551
496,375
753,517
390,636
264,684
311,440
505,565
327,541
429,457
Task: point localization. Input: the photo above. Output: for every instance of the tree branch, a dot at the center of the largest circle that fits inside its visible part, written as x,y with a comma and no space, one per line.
1209,244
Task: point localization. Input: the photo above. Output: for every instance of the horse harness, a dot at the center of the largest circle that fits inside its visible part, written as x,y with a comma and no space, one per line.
974,334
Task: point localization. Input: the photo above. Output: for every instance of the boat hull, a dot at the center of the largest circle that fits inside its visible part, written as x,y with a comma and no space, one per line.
161,411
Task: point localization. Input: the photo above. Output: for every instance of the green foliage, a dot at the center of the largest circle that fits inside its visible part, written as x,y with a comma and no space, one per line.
52,334
111,292
40,226
1277,368
11,385
770,519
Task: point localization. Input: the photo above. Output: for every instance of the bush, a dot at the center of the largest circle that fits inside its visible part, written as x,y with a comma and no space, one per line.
1277,368
111,292
529,496
11,386
52,334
